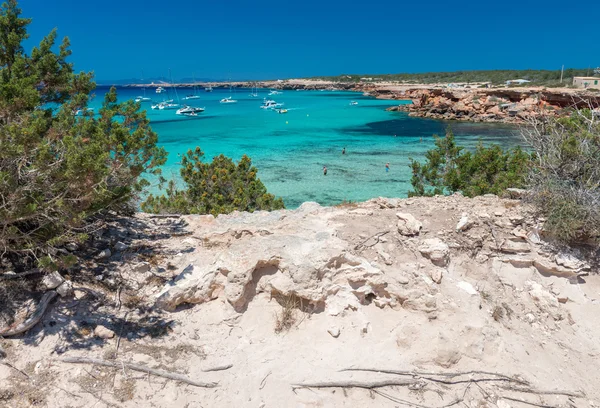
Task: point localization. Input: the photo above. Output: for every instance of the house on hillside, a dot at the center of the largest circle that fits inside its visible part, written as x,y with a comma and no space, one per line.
517,82
586,82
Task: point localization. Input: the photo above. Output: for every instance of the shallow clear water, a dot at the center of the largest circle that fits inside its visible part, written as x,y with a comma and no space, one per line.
291,149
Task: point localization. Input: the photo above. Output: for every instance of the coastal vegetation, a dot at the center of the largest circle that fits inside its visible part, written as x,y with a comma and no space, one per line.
561,174
62,168
218,187
496,77
449,168
565,174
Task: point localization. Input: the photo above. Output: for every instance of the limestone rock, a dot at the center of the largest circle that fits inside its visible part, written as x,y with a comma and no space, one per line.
120,246
105,253
544,300
103,332
71,246
464,223
193,285
408,225
515,247
334,332
52,281
435,250
467,287
436,275
447,357
65,289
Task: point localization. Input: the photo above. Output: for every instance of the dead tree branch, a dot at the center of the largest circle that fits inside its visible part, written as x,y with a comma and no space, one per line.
139,367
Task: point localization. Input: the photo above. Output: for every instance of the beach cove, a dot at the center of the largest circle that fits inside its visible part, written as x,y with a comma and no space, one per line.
291,149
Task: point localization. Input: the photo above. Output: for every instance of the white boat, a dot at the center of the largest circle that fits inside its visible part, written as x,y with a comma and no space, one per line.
189,111
208,89
160,89
143,98
366,94
166,105
270,104
353,103
282,110
254,93
195,94
274,92
228,100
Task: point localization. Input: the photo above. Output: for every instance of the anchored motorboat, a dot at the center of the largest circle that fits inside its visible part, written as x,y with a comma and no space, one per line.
208,89
160,89
189,111
270,104
274,92
353,103
228,100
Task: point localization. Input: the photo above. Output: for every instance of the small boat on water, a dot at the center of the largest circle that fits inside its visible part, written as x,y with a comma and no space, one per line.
208,89
353,103
228,100
80,112
366,94
282,111
160,89
274,92
270,104
142,99
195,94
190,111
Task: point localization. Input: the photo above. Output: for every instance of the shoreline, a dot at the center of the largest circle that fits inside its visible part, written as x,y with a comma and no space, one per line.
461,102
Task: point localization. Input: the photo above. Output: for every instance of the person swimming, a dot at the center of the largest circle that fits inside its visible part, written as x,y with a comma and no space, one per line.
387,167
324,170
344,150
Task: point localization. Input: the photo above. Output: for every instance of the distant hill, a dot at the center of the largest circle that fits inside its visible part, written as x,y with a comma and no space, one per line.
537,77
156,80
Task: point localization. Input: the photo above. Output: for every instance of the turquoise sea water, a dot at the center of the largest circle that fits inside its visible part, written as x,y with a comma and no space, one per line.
291,149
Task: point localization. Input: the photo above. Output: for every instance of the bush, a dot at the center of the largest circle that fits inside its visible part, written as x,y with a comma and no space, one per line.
565,179
58,168
450,168
219,187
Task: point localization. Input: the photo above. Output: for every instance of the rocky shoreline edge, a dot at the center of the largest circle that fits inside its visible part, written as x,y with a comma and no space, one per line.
436,101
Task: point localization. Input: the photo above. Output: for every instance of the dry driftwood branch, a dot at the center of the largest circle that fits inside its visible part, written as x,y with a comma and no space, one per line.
18,328
414,404
221,367
139,367
576,394
20,275
354,383
164,216
429,375
377,236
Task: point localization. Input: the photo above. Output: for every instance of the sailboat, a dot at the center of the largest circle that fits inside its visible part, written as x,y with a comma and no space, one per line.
195,94
229,98
143,98
168,104
254,93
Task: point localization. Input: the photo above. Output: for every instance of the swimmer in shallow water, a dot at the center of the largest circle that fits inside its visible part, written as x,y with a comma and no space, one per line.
324,170
344,150
387,167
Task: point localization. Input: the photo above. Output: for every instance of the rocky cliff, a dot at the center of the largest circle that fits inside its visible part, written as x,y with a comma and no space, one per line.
426,302
491,105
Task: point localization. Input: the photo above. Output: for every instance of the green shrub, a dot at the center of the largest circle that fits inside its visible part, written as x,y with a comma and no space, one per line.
218,187
59,169
565,178
449,168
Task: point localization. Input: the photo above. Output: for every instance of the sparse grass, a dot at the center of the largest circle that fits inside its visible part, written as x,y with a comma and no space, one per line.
133,301
347,204
485,295
286,319
498,313
126,390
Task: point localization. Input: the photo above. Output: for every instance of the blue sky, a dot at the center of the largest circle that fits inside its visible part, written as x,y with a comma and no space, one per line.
263,39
